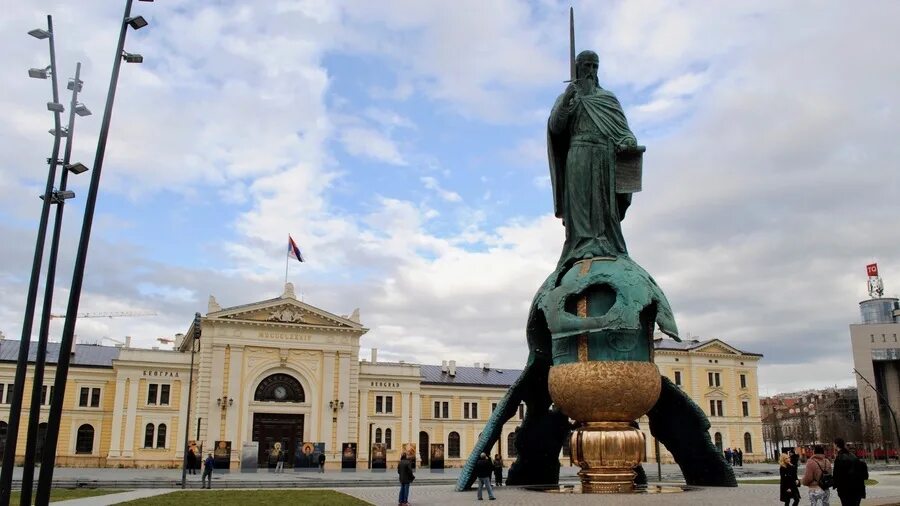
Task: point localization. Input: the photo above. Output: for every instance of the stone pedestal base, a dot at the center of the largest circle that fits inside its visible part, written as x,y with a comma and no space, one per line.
607,453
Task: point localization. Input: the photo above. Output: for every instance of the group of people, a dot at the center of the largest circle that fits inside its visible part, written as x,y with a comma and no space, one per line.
208,465
847,476
484,468
734,457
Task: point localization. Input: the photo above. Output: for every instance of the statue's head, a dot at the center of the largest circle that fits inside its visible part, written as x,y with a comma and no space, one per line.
586,65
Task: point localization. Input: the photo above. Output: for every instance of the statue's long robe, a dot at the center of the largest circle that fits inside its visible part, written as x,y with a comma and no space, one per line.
582,145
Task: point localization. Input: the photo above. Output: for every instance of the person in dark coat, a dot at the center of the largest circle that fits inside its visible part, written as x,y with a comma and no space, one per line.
740,457
191,462
790,484
321,462
404,470
729,456
483,470
208,466
850,475
498,470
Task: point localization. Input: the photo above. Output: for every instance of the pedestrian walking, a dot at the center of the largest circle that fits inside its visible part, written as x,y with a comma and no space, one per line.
191,461
321,462
850,475
498,470
405,472
483,470
279,458
208,466
740,457
729,457
818,477
789,485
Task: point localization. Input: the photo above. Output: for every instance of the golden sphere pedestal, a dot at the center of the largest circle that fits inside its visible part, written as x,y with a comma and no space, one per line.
606,397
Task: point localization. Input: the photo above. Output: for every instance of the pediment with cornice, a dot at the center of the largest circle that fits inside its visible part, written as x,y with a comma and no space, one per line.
717,347
286,311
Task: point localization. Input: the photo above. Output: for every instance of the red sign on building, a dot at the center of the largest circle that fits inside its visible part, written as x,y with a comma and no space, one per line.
872,270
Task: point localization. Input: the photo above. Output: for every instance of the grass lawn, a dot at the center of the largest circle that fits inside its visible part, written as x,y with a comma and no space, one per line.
776,481
247,497
61,494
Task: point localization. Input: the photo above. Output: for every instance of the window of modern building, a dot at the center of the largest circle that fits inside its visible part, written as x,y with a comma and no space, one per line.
378,436
164,394
84,440
453,445
743,381
148,435
745,408
95,397
511,450
470,410
84,397
152,393
678,378
748,443
387,438
161,436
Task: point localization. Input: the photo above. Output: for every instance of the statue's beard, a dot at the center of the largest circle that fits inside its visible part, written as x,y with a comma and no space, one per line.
588,83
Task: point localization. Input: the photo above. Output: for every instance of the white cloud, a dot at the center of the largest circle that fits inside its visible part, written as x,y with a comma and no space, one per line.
433,185
369,143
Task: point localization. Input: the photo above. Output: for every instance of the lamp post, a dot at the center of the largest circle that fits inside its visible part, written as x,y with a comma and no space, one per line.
195,340
15,408
48,459
40,358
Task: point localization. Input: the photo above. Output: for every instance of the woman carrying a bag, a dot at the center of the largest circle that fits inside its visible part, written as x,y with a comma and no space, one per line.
790,485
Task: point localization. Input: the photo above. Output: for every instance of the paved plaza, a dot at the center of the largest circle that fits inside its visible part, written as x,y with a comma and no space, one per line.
379,488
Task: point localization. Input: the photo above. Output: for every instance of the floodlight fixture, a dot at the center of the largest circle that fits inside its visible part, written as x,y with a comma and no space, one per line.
71,85
132,57
55,107
82,110
64,195
39,33
137,22
62,132
39,73
76,168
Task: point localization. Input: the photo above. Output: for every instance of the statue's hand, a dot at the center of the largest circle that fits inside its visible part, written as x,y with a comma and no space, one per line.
627,144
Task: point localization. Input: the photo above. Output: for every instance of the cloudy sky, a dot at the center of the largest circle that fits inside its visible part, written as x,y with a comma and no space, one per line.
402,145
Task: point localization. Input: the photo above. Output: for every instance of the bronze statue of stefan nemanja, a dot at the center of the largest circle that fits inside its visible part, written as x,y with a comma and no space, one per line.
590,373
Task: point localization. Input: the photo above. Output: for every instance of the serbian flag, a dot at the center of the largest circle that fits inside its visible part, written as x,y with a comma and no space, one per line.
872,270
293,250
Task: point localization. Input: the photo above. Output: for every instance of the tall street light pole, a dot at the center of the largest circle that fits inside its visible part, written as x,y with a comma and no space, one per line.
48,457
195,340
15,408
40,359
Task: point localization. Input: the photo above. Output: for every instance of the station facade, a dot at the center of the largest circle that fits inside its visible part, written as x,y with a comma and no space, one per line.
282,373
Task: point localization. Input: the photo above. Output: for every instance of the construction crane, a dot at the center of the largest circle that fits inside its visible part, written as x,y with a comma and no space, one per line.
114,314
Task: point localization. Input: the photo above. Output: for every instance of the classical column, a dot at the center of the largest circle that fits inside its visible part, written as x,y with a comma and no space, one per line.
216,386
404,419
131,409
183,416
343,395
236,392
323,412
118,408
416,416
362,439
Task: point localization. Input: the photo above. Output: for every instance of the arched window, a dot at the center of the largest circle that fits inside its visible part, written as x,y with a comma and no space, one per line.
161,436
453,445
387,438
423,447
748,443
148,436
280,388
378,435
718,439
511,450
84,441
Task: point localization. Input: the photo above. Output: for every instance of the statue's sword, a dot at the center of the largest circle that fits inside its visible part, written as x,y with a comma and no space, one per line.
571,44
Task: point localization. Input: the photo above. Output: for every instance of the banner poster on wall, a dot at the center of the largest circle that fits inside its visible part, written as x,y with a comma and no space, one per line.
249,456
222,455
437,455
409,449
348,456
379,456
306,455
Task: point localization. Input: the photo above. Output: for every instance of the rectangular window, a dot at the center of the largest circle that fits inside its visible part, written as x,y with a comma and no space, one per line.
95,398
718,382
152,390
465,410
719,405
712,408
475,410
521,411
493,407
44,395
743,381
437,409
379,404
389,404
164,394
470,410
710,376
745,407
445,409
678,378
83,397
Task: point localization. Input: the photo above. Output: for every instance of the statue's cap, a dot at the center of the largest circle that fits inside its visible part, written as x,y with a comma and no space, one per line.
585,55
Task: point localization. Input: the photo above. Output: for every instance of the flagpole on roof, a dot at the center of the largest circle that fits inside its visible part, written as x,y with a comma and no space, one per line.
287,256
